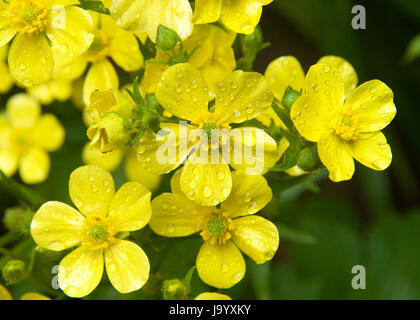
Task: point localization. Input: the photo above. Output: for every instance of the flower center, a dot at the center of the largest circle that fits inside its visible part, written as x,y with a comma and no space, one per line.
210,126
29,16
216,227
345,124
98,233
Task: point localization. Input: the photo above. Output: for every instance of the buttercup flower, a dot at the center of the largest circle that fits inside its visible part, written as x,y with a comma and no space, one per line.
213,56
6,79
95,231
225,230
345,122
183,92
241,16
5,295
212,296
110,41
33,24
145,16
25,138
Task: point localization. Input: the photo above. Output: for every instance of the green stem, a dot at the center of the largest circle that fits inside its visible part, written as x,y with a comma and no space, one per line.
8,253
8,237
43,287
20,192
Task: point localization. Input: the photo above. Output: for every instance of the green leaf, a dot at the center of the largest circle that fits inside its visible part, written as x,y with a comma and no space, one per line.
96,6
148,49
284,116
413,50
288,233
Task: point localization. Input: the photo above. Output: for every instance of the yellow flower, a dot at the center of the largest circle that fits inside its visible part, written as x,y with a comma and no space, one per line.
225,230
241,16
145,16
110,41
46,93
345,122
214,57
133,169
183,92
212,296
26,137
5,295
6,79
95,231
33,25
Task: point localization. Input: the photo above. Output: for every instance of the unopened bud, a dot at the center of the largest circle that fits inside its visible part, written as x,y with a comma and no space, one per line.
175,289
13,271
308,159
166,38
289,97
18,219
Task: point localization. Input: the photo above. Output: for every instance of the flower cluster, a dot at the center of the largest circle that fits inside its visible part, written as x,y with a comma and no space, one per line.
161,85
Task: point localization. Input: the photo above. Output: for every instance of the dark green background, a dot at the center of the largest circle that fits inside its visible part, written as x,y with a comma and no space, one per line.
325,228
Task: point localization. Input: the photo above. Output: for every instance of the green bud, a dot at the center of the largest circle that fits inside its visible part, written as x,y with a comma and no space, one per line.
18,219
166,38
251,43
308,159
111,132
175,289
150,119
289,97
13,271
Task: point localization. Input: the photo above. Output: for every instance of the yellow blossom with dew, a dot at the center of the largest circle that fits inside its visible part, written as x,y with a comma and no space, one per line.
240,16
225,230
213,56
212,296
344,121
145,16
6,79
110,42
5,295
32,25
95,230
25,138
184,93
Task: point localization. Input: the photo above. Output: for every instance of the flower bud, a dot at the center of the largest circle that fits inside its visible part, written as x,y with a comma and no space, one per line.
308,159
111,132
166,39
289,97
18,219
13,271
175,289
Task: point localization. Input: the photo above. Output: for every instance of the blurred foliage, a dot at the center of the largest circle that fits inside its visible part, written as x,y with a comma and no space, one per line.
325,228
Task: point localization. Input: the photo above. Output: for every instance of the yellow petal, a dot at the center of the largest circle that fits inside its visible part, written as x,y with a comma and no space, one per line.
336,157
373,102
5,294
283,72
160,154
153,73
134,171
346,70
372,150
249,195
7,32
7,80
91,190
68,68
130,208
57,226
34,166
207,11
34,296
49,133
30,59
221,266
311,116
108,161
206,184
268,115
241,16
242,96
256,237
176,182
327,81
127,266
125,51
175,216
101,76
256,154
23,111
212,296
71,32
81,271
9,160
183,92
